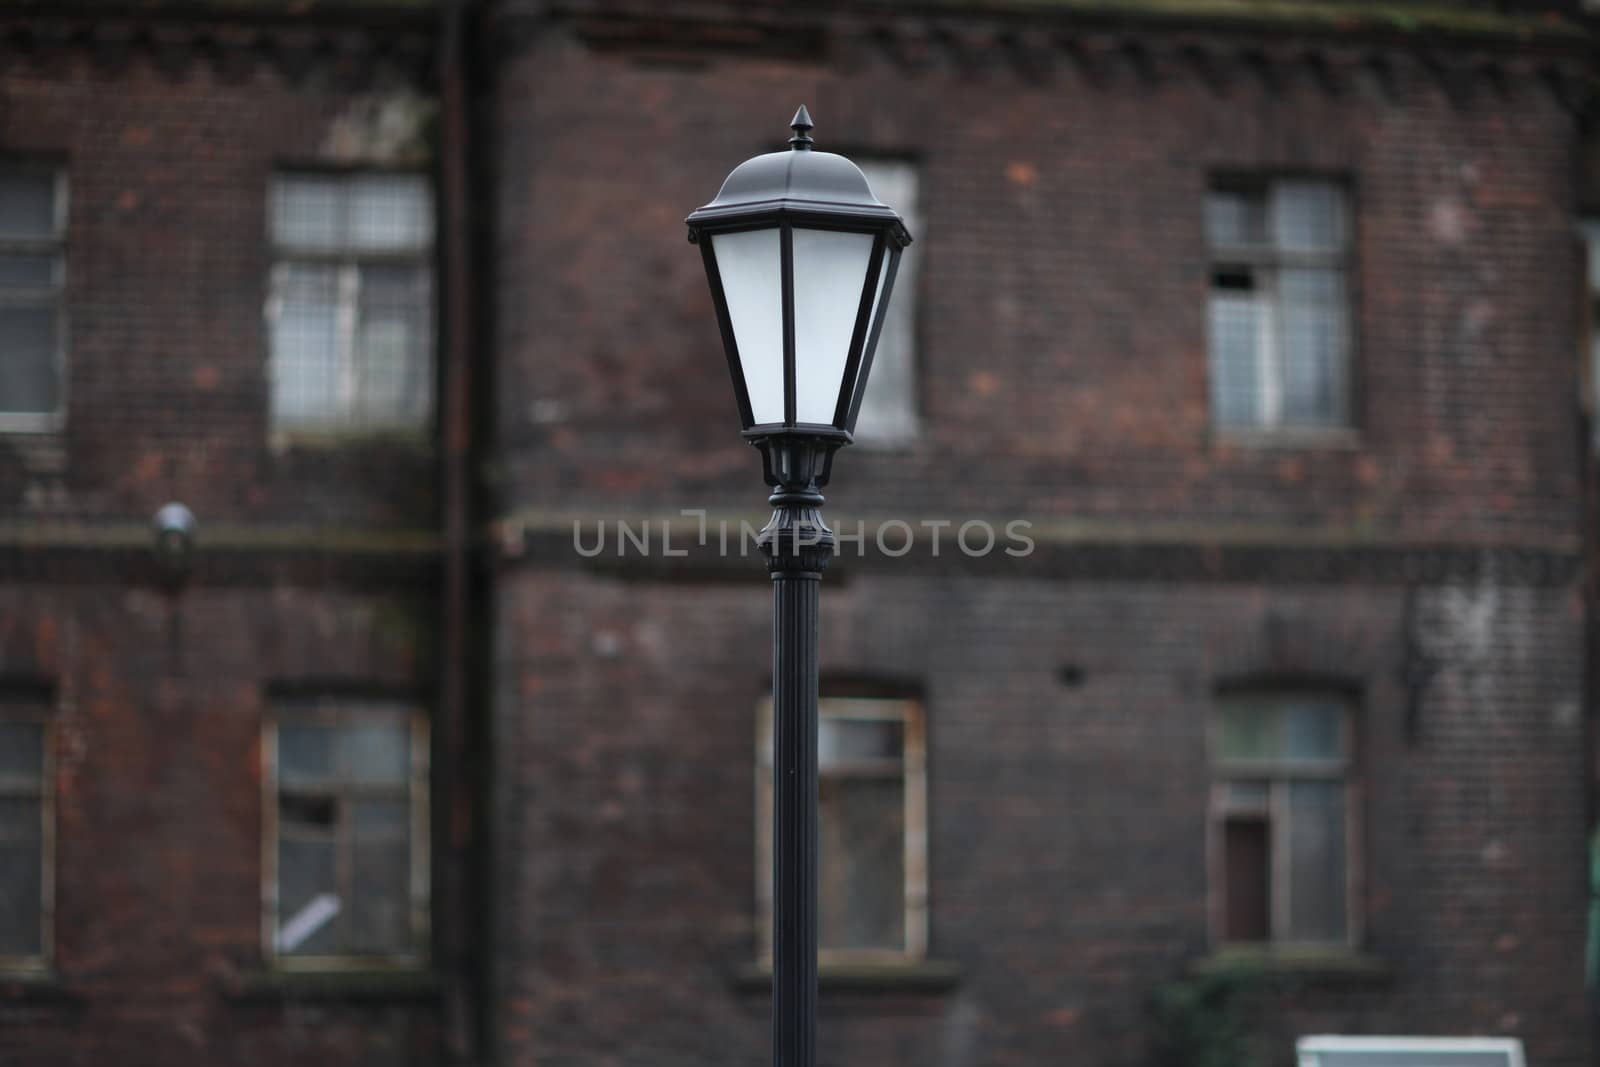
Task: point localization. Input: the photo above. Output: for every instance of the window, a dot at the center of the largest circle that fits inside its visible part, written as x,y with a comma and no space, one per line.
1279,329
33,218
888,414
351,309
347,856
1282,822
871,830
25,837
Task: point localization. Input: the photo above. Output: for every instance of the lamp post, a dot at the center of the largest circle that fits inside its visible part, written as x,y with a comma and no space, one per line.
801,258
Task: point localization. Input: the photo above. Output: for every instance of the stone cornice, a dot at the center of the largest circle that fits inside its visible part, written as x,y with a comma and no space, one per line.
1370,48
351,45
61,553
1061,550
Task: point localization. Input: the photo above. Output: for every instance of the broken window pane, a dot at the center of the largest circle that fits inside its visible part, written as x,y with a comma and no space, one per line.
1278,327
346,804
309,904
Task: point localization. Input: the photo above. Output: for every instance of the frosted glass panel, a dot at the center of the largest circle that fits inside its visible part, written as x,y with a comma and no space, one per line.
830,270
751,280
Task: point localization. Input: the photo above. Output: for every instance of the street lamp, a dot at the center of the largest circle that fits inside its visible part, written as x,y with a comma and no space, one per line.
801,258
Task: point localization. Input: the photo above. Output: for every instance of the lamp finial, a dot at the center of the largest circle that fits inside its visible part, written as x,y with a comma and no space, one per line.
802,127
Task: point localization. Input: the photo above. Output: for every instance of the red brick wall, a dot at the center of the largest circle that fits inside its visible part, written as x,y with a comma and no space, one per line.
161,695
166,285
1062,337
1067,824
1062,376
158,717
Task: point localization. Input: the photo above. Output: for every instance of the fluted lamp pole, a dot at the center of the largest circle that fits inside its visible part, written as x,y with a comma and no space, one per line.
801,259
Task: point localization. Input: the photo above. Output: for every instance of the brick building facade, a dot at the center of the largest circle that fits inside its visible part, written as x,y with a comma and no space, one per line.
1287,708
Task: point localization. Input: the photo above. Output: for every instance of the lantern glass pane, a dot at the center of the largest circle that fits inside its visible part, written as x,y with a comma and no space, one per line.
889,256
752,283
830,270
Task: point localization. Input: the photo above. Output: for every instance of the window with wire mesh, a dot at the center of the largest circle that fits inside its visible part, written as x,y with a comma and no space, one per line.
871,830
348,842
350,314
888,414
32,274
24,835
1282,820
1279,327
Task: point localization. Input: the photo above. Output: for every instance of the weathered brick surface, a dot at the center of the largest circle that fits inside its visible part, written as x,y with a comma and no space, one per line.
162,695
1062,331
1067,824
160,705
167,263
1062,375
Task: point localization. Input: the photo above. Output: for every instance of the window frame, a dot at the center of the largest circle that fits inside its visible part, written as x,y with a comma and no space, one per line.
1278,775
333,712
348,263
1266,262
55,246
38,711
913,773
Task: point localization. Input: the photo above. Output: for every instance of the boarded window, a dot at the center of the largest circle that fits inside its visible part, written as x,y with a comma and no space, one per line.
32,275
1279,308
348,852
1281,816
24,835
871,829
351,308
888,414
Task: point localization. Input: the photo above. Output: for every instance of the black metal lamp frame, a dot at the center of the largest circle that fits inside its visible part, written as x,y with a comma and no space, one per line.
786,191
